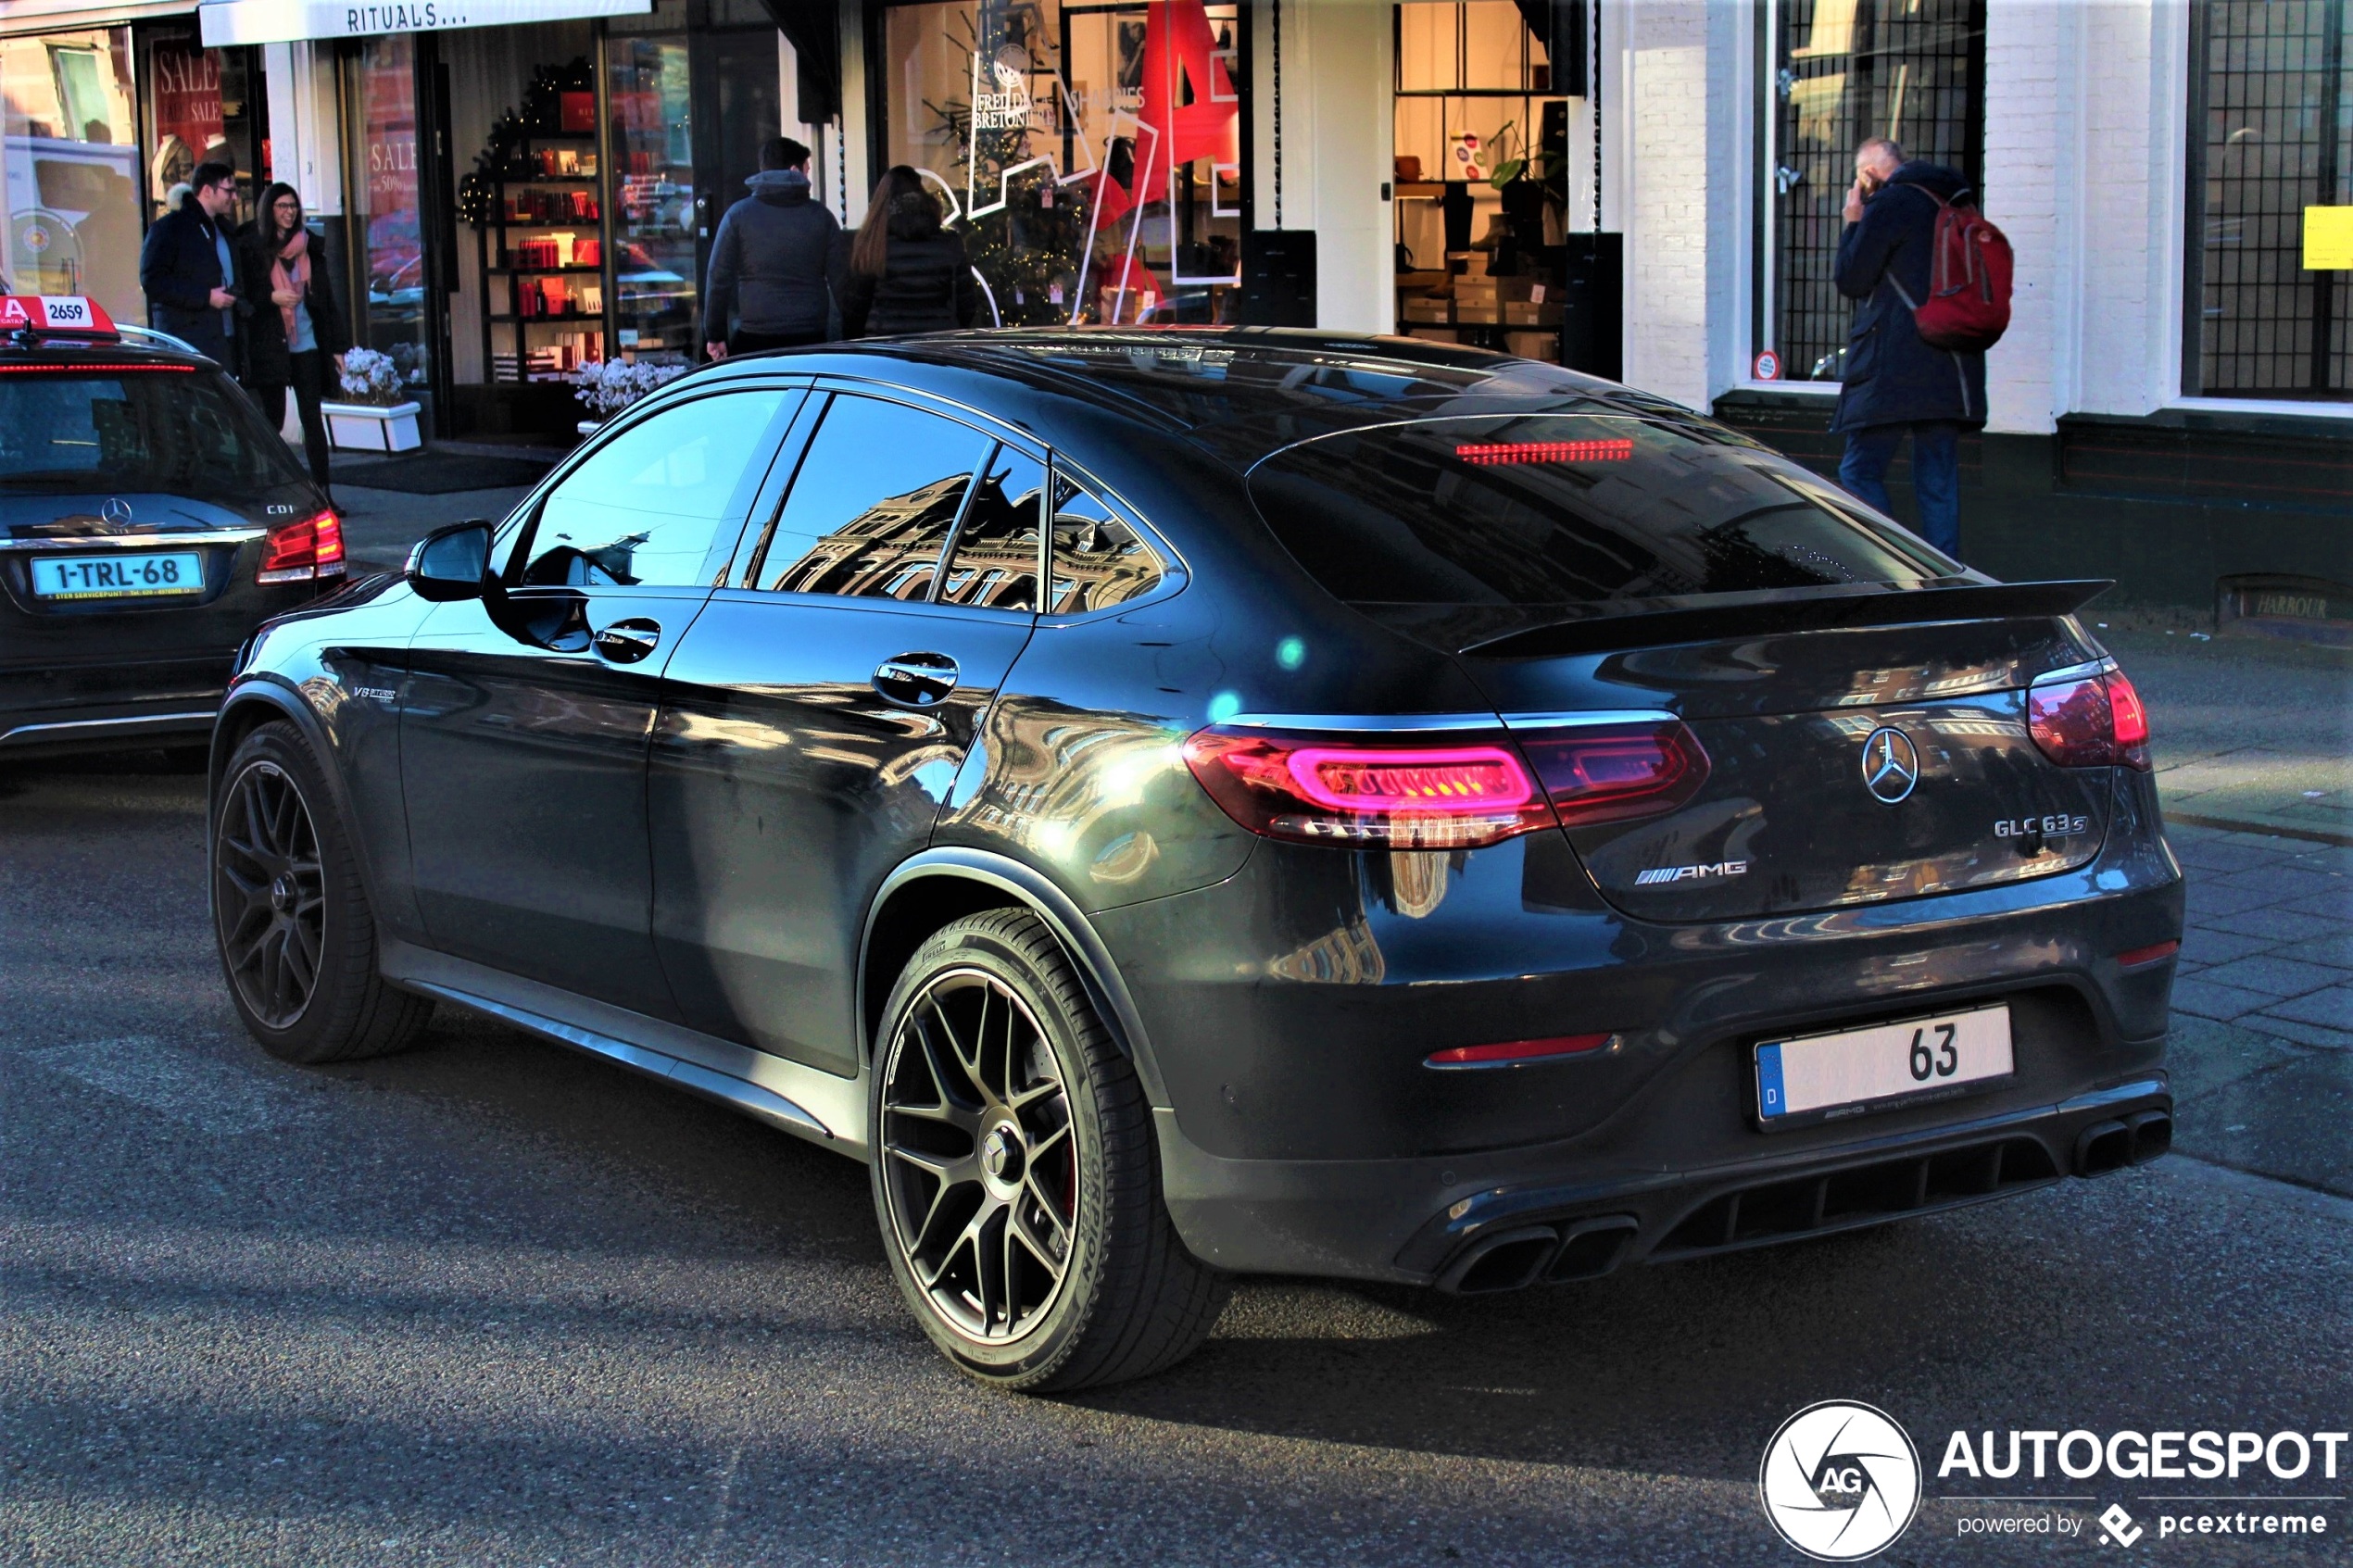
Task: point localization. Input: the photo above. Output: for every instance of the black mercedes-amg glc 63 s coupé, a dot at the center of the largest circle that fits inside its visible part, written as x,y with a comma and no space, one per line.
1192,803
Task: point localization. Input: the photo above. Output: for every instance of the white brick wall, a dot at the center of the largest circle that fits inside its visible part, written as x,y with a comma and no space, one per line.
1666,168
2031,103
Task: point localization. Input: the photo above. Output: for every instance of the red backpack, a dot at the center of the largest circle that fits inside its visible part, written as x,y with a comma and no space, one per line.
1968,306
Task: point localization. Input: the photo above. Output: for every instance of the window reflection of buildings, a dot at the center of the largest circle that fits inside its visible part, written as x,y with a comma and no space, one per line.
1098,563
890,550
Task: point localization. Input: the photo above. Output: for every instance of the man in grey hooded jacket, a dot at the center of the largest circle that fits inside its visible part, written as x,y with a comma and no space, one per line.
768,264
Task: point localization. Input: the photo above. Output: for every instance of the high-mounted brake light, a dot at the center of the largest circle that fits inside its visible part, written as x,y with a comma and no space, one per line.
1493,453
2089,721
300,552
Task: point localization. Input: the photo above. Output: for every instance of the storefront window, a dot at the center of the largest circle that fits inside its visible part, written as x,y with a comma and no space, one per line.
71,150
2271,105
388,206
1840,72
654,265
201,105
1090,155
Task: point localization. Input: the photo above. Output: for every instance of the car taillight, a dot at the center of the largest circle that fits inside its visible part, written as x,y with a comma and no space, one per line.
1616,772
1388,793
1449,790
2089,721
2131,721
298,552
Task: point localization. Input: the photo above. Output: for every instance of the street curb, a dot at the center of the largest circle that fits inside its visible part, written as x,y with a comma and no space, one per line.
2229,825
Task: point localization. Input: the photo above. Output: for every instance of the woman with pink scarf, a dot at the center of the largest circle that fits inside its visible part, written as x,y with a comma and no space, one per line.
295,335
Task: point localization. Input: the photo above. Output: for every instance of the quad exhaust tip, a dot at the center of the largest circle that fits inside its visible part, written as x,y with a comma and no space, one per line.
1515,1259
2110,1146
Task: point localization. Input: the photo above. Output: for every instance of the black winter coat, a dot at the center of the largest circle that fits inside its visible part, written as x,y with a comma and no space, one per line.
267,359
179,266
926,286
768,265
1892,376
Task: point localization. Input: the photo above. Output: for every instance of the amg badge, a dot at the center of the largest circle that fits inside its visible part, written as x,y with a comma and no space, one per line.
1657,875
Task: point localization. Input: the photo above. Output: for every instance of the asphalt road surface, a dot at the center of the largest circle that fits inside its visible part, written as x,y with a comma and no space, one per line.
494,1303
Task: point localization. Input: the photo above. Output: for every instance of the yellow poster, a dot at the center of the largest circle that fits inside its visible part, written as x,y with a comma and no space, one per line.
2328,239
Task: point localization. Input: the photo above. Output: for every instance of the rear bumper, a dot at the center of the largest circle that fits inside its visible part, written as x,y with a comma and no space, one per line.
1289,1011
1497,1222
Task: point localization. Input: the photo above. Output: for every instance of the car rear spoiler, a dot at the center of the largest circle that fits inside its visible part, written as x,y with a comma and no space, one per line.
1655,623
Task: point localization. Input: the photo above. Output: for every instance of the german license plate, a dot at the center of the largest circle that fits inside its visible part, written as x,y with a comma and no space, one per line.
130,575
1814,1077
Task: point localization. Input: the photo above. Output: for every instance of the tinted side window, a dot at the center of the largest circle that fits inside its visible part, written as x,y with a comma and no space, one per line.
996,558
1099,560
873,505
646,508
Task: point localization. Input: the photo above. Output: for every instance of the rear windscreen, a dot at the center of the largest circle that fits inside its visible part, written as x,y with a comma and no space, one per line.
188,433
1557,509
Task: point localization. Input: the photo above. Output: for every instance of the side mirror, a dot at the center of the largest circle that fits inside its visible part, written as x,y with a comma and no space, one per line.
449,563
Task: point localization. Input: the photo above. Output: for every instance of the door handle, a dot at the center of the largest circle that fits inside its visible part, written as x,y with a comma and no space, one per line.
626,642
919,679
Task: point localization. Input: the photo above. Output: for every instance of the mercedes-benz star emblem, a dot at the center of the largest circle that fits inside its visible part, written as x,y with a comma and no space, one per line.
1889,765
117,511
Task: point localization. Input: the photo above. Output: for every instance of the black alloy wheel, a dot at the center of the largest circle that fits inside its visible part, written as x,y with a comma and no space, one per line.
290,910
1015,1175
269,894
979,1164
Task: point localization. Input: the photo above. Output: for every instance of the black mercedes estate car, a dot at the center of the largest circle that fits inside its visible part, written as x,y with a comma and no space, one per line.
1180,804
150,520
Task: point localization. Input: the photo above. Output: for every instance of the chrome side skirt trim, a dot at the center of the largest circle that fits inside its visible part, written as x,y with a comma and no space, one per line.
803,1101
76,729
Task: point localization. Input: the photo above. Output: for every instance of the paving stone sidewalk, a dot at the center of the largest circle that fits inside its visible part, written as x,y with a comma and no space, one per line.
2252,738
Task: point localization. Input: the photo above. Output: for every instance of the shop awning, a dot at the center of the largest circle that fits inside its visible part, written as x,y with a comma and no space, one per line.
279,22
21,17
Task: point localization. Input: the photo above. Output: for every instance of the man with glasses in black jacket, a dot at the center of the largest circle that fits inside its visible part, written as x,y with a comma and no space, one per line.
188,270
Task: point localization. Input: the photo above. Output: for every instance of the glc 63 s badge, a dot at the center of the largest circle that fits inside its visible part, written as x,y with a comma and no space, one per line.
2060,826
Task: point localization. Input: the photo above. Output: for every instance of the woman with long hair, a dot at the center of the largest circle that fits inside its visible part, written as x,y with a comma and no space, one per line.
902,273
295,333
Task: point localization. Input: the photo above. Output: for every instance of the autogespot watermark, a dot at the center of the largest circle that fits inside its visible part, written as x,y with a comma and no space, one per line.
1842,1481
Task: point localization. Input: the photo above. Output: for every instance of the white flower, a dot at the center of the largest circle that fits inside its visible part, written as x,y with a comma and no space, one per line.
371,377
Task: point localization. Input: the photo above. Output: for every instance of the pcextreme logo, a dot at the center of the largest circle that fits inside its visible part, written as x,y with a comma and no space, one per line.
1841,1481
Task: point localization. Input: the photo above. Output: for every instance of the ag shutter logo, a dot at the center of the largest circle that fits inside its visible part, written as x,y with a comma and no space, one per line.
1841,1481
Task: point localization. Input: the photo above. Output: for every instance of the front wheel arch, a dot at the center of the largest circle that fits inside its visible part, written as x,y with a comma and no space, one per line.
940,886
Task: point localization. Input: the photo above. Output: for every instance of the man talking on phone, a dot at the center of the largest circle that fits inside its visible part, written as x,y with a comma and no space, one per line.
1897,385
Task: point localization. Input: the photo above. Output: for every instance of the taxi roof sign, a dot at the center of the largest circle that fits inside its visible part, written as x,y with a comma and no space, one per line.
55,314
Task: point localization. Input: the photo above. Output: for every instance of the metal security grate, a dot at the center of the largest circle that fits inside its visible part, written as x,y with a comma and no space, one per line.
2269,136
1846,70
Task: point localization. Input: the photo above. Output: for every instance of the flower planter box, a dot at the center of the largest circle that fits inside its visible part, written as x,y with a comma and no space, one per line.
365,427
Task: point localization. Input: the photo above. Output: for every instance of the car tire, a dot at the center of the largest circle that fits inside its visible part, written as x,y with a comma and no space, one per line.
1075,1167
291,921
